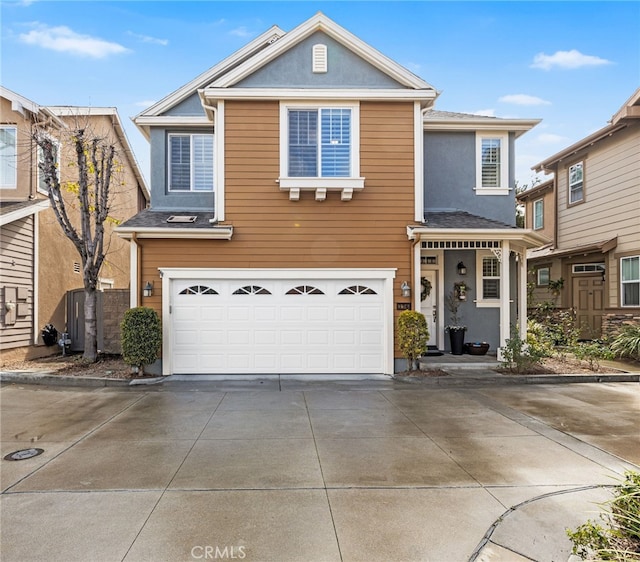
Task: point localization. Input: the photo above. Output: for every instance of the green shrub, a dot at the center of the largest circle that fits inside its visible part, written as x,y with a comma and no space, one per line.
141,333
619,537
627,342
592,352
518,356
413,336
538,339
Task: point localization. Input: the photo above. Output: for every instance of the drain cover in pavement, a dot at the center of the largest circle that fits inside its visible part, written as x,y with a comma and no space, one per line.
23,454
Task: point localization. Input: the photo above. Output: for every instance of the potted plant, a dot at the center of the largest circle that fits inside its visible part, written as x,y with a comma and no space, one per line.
456,329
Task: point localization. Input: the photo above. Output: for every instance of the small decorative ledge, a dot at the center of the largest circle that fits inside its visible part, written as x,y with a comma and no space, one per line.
321,186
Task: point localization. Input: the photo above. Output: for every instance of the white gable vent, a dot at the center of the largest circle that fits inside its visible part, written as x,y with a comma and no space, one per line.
182,218
319,58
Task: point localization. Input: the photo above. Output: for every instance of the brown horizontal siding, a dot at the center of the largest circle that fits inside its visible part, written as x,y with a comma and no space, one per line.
270,231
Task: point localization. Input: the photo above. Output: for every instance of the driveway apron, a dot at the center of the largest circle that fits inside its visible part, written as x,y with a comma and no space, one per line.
317,472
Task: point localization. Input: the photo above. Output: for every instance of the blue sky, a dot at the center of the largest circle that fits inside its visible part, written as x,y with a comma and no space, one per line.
572,64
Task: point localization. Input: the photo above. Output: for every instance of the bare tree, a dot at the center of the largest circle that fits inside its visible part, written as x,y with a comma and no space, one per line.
81,208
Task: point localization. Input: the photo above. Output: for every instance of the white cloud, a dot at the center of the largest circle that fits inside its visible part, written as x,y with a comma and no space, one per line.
566,59
523,99
145,103
241,31
550,138
148,39
65,40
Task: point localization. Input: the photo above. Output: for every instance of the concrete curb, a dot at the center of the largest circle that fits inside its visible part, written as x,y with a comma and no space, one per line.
48,378
490,379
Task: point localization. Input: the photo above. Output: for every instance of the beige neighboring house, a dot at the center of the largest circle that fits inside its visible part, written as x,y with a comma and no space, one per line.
39,265
594,225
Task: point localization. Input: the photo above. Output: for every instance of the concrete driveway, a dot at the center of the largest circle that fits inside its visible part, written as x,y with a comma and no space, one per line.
311,471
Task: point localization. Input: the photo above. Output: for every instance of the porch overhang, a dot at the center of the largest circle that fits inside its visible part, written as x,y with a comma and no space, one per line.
215,233
522,237
602,247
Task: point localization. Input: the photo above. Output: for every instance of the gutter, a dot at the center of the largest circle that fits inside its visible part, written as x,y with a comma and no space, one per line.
217,233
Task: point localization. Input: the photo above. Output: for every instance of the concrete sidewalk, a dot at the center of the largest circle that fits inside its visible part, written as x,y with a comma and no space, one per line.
360,470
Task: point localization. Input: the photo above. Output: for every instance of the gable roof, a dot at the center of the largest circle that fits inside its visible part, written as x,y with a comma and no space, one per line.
320,22
20,104
629,111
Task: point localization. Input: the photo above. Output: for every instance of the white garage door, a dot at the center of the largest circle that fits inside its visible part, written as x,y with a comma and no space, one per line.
274,326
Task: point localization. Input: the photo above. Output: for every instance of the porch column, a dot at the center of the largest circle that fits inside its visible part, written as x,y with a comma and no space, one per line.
522,292
505,309
133,272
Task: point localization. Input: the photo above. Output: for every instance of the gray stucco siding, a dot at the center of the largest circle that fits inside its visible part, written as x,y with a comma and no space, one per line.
161,198
450,177
189,107
293,69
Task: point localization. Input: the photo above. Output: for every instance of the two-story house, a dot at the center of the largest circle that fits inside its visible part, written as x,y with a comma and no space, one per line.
39,265
303,192
595,224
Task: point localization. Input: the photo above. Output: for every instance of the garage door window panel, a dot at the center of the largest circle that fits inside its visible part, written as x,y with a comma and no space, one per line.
304,290
251,290
198,290
357,290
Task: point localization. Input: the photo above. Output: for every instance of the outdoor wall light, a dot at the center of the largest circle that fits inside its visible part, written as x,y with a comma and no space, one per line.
148,289
462,269
406,290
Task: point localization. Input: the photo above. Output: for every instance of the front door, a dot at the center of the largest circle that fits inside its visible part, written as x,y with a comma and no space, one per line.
588,302
428,305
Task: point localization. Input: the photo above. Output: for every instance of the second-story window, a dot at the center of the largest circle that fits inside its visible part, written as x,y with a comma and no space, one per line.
538,214
190,162
8,157
576,182
492,164
320,142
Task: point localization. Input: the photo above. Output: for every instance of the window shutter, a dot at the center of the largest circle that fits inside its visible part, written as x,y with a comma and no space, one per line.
336,143
303,143
202,162
180,154
491,163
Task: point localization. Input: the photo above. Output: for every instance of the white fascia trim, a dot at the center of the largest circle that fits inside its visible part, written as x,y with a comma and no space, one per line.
517,126
418,160
210,74
218,233
219,163
143,123
36,280
320,22
362,94
18,214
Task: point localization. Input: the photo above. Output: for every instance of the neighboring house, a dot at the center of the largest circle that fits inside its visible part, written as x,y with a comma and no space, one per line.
595,233
39,264
303,193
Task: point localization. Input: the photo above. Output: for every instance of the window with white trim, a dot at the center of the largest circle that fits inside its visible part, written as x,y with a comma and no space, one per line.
320,142
543,275
576,183
630,281
492,164
8,157
190,162
487,279
55,148
320,148
538,214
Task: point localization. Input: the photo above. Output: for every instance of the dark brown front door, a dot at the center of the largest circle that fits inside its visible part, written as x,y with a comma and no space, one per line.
588,302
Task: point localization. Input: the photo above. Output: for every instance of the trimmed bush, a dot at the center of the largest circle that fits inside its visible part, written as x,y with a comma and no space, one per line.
141,333
413,335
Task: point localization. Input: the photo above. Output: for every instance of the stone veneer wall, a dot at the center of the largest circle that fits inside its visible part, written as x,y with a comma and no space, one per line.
115,302
612,323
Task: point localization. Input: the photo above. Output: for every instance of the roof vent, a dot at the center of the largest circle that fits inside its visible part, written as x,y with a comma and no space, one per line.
319,59
182,218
